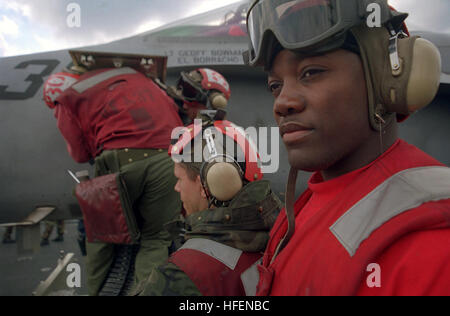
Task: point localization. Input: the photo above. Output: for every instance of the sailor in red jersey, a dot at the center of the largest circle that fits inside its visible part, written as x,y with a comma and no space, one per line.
125,110
375,219
229,211
124,121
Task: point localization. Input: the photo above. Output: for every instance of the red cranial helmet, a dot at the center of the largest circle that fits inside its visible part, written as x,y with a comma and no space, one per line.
227,157
56,84
202,85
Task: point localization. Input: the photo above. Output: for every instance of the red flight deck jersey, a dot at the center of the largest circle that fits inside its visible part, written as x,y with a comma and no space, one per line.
225,271
113,109
381,230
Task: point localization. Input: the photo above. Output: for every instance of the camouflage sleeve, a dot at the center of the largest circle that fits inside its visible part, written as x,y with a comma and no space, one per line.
167,280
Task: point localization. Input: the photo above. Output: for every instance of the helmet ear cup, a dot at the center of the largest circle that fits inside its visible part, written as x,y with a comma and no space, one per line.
223,179
402,75
425,75
415,84
218,100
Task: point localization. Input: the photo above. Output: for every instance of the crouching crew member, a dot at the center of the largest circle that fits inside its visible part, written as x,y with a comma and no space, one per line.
229,211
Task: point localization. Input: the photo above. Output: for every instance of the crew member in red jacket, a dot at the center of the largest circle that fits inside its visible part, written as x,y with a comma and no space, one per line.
375,219
124,121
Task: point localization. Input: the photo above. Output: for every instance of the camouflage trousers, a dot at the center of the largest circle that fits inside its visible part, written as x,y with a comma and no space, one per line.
149,178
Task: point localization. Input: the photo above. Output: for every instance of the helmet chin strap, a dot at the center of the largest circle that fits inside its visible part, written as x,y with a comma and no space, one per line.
211,200
381,123
289,209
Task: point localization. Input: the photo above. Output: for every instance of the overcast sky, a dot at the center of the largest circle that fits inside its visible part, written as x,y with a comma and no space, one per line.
29,26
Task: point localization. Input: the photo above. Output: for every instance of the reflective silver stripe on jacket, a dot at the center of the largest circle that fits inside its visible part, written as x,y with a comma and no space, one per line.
250,279
401,192
84,85
227,255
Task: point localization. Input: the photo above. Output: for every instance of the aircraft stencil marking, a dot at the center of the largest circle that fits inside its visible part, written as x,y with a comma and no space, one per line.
36,80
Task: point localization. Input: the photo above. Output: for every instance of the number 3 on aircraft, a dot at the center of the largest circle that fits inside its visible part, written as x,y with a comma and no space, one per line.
35,79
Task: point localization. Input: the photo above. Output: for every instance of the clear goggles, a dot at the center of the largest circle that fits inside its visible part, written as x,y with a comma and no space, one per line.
303,25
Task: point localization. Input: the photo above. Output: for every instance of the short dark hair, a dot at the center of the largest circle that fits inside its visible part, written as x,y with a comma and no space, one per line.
191,171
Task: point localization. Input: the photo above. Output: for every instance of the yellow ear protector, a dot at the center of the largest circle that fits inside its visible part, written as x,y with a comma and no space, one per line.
221,175
218,100
402,73
425,73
